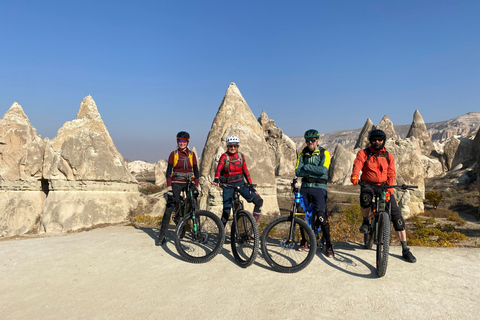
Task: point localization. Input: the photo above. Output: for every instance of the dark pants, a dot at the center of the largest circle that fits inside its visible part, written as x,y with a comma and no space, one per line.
366,195
177,188
318,197
246,194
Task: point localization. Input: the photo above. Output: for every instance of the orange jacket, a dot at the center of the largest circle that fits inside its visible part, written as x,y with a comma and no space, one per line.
377,169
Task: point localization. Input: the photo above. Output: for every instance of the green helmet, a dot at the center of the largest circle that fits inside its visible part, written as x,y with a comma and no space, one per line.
312,133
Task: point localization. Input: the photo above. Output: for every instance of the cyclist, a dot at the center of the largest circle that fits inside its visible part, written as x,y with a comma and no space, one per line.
181,164
378,166
312,165
232,169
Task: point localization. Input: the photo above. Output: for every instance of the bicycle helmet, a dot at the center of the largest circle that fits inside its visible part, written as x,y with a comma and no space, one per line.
232,141
183,135
377,133
312,133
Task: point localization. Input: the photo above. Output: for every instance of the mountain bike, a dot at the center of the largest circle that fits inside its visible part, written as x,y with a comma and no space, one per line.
379,232
289,243
199,235
244,231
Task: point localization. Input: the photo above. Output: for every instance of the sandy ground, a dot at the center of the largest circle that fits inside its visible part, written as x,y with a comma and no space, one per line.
118,273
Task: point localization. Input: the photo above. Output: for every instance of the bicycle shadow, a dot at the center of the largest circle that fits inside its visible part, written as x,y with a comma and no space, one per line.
348,262
229,255
169,236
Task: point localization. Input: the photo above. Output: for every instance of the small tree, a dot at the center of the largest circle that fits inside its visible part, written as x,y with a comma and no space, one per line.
434,197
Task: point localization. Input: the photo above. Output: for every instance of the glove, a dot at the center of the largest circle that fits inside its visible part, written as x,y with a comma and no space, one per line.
216,180
388,194
170,195
252,189
354,180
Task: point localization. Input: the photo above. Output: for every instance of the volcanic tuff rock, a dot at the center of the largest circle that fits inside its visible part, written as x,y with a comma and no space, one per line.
410,171
341,166
387,126
476,150
234,117
458,153
21,159
89,181
282,148
419,131
362,141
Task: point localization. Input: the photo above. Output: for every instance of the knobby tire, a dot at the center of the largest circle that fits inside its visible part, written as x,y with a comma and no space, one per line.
245,243
383,245
203,245
284,256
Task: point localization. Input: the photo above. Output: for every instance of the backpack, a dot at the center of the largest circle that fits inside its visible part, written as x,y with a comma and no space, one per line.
370,153
227,161
175,158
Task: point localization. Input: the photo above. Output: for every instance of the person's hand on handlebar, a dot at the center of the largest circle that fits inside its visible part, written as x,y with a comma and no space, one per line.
216,182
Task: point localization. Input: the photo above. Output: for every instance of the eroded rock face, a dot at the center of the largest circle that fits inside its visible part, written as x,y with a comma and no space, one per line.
362,141
476,150
458,153
234,117
160,171
21,159
89,181
410,171
387,126
419,131
282,148
341,166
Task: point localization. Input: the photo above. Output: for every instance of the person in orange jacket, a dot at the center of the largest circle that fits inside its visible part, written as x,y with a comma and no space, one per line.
378,166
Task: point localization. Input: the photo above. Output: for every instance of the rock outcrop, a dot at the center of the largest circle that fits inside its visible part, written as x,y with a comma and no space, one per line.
419,131
234,117
458,153
341,166
282,148
21,185
160,171
89,182
410,171
387,126
362,141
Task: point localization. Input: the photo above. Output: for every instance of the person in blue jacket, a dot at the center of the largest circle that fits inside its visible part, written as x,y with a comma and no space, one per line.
312,165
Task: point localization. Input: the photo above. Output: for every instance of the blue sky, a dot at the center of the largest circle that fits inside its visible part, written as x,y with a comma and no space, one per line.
157,67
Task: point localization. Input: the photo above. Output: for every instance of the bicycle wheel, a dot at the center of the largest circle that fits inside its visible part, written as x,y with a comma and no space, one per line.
201,241
370,236
284,254
383,244
245,243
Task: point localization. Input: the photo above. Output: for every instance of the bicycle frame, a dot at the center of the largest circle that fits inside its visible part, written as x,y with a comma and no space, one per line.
307,207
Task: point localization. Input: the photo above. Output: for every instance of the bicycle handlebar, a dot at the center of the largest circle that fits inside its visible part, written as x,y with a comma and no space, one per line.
384,185
229,186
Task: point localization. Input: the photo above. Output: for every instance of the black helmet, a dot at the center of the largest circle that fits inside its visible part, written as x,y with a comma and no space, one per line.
377,133
183,135
312,133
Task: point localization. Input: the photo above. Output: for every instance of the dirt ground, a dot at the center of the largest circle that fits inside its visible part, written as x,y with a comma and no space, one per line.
118,273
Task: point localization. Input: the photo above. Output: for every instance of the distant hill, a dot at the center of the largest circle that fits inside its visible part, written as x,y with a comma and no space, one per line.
438,131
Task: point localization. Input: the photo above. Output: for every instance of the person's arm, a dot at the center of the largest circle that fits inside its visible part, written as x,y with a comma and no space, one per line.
299,172
245,170
320,168
391,173
168,174
196,174
221,164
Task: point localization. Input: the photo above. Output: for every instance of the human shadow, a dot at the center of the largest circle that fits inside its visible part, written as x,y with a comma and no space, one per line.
169,236
347,262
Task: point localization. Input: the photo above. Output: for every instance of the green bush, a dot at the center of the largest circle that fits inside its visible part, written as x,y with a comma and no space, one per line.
434,197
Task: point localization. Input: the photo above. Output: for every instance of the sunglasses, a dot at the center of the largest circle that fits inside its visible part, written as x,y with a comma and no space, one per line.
182,140
310,140
232,146
377,139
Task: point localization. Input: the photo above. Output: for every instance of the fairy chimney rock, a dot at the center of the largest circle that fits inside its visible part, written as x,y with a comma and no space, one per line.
234,117
387,126
362,141
419,131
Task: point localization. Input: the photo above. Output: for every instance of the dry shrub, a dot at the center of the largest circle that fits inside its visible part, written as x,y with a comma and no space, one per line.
146,221
439,213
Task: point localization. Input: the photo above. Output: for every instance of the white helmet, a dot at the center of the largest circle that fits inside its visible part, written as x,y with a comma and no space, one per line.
233,141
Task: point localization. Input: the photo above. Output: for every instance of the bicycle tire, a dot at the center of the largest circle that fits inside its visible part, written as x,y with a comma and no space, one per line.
245,243
283,256
383,245
203,245
369,237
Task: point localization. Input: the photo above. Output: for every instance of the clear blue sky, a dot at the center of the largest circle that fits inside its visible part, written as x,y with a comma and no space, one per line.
157,67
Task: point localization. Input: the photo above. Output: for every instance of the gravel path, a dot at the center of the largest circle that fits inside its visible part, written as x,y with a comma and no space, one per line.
118,273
